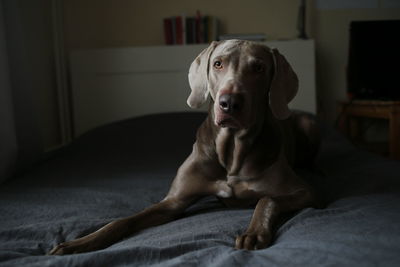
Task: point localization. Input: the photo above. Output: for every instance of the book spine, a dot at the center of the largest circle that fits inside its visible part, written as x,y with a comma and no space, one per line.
168,31
184,29
179,30
189,30
199,28
215,29
173,22
205,29
193,30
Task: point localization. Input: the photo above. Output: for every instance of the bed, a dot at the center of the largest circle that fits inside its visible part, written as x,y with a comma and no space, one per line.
120,168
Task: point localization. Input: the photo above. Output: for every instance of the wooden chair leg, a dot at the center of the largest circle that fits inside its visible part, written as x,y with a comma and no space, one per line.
394,136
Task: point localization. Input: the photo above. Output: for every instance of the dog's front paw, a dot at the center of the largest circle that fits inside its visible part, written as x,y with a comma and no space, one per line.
62,249
252,240
79,245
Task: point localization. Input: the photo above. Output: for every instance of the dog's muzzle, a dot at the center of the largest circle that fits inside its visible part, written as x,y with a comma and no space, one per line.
231,103
230,106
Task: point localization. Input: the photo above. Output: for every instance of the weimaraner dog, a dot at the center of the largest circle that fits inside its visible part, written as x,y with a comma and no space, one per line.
245,149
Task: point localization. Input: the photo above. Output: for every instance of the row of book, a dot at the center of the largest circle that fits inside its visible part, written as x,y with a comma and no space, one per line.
181,30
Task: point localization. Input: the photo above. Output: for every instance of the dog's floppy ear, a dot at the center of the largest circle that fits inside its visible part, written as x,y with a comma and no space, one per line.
284,86
198,77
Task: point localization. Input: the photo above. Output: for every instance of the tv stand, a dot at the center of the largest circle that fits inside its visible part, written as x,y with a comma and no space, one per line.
351,112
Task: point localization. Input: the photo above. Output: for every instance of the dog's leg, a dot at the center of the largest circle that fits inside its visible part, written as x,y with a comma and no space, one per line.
191,183
160,213
259,233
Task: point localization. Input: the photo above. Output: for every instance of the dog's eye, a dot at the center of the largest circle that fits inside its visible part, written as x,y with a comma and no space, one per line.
259,68
218,64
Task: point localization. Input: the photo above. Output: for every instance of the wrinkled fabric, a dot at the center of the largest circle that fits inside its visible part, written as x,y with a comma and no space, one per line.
120,169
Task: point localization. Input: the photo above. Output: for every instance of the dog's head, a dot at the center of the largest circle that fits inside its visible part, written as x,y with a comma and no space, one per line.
244,79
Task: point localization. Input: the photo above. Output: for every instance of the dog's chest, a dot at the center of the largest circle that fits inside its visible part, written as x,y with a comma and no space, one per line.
244,171
248,165
238,156
252,183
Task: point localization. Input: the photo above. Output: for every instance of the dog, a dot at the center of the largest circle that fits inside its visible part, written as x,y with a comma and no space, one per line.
245,150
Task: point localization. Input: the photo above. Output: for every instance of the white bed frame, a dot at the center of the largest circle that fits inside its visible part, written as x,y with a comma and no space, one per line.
118,83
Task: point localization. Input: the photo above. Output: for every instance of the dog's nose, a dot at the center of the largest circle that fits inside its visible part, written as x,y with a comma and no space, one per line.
230,103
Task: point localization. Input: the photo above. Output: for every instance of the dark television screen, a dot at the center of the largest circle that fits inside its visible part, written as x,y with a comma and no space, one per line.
374,60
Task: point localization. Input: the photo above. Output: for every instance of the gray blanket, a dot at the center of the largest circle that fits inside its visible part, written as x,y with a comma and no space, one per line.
121,168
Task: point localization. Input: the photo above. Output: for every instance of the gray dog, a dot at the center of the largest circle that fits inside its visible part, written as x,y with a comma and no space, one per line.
245,149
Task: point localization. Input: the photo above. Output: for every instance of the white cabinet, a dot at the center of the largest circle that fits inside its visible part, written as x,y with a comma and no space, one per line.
118,83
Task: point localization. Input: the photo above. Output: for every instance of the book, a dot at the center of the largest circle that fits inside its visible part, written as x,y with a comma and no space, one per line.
199,28
179,30
173,22
168,31
206,39
190,31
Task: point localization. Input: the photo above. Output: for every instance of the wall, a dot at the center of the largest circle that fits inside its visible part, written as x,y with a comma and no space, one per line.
30,50
37,22
104,23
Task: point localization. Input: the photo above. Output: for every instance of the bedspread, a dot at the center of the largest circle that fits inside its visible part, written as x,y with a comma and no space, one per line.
119,169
